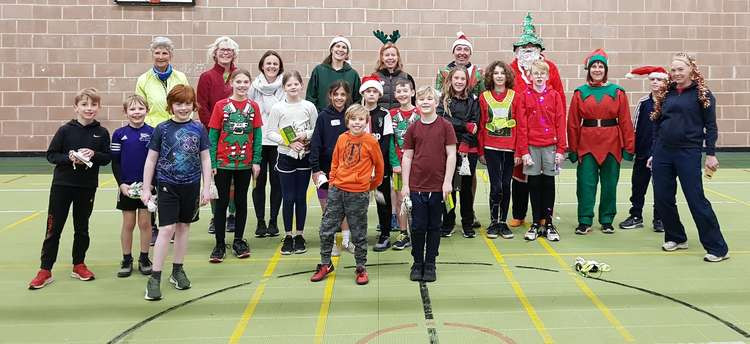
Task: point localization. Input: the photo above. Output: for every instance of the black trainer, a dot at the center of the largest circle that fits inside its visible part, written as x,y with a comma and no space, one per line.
240,248
658,226
469,232
299,244
218,254
505,231
384,243
632,222
607,228
230,223
145,266
211,227
273,229
493,231
429,274
287,247
416,272
446,230
402,241
261,230
583,229
126,268
475,223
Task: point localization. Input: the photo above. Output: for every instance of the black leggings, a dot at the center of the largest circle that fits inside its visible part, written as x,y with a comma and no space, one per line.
223,180
60,199
542,194
269,155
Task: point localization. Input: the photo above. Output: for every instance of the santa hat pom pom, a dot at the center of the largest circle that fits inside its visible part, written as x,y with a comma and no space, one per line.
630,75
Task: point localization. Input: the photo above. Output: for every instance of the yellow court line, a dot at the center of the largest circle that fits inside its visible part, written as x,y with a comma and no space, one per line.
484,175
239,329
325,304
23,220
110,181
726,196
589,293
538,324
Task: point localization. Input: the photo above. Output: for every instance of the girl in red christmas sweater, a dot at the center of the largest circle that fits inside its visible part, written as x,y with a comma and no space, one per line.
541,144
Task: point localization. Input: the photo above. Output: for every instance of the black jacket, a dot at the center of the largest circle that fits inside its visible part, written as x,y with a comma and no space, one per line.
462,112
329,125
73,136
684,123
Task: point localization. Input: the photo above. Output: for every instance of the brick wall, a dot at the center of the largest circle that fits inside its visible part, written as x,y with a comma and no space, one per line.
51,48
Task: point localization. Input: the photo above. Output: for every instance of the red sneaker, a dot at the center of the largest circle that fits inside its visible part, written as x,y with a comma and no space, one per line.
321,272
362,275
81,272
43,277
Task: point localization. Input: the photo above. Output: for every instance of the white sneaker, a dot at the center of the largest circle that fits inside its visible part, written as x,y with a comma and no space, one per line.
532,233
335,251
715,259
670,246
349,247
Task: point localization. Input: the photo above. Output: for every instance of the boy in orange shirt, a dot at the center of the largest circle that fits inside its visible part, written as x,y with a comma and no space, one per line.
355,156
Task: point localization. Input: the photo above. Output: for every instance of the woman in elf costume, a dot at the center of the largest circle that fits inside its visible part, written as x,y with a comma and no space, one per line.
600,135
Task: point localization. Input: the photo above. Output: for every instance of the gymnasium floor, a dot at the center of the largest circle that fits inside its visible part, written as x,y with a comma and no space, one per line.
488,291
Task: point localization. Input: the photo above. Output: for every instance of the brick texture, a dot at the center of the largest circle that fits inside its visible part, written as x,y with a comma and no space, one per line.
50,49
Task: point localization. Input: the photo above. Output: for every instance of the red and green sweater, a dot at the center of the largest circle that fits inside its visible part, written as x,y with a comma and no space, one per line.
235,134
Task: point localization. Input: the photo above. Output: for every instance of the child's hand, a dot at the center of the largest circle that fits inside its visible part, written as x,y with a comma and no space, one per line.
213,171
527,160
125,189
649,162
397,169
88,153
405,191
145,196
205,195
447,189
316,175
73,159
256,170
559,159
297,146
483,160
516,161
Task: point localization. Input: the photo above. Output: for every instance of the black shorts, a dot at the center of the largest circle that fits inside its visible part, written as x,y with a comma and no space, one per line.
178,203
287,164
128,204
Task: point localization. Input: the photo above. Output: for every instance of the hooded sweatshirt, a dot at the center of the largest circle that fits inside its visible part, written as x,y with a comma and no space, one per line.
329,126
266,95
73,136
323,76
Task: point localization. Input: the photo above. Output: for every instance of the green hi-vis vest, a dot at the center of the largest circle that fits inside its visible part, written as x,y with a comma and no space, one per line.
500,119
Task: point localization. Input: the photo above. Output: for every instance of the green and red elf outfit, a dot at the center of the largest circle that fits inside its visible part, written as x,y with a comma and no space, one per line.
235,134
600,135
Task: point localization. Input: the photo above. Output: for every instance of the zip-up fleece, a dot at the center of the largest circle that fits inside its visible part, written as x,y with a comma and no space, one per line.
684,123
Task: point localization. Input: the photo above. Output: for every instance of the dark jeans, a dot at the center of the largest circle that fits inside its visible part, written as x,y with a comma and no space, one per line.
467,195
60,199
542,194
269,155
685,163
223,180
384,210
520,193
500,171
426,211
640,179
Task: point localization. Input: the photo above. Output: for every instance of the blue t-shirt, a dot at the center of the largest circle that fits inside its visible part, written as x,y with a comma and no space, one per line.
129,148
179,146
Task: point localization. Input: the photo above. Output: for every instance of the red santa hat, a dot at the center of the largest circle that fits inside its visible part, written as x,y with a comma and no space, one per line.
651,71
371,80
461,40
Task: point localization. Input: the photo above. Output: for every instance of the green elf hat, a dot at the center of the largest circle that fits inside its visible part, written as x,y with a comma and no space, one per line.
529,34
596,55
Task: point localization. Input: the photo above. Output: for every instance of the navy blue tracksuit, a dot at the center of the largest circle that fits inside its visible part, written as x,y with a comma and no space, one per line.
644,136
679,136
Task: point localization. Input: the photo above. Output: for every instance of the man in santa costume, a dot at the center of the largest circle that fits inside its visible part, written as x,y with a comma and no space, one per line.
461,50
600,135
644,135
528,49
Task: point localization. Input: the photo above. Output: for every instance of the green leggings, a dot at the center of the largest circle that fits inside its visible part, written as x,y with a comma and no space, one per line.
589,174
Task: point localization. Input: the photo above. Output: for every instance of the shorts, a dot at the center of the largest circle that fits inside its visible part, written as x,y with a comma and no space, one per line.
126,203
178,203
544,161
287,164
322,193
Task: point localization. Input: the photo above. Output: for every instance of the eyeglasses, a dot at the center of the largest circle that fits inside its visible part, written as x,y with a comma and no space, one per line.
538,74
225,51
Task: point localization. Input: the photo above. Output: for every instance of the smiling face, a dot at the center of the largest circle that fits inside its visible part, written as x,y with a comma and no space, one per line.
182,111
371,95
240,86
427,104
224,54
293,87
162,58
338,99
403,94
655,83
271,67
357,123
340,52
86,110
461,54
680,72
390,58
458,81
597,71
498,77
136,113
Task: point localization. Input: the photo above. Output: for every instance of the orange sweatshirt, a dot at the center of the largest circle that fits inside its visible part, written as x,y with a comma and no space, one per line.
354,159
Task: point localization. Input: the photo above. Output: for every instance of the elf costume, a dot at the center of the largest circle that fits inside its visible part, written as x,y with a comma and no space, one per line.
600,135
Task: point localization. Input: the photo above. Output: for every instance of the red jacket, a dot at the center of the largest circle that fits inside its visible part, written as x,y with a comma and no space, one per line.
504,141
211,89
521,83
542,121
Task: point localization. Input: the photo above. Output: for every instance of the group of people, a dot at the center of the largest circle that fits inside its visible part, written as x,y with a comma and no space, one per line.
412,149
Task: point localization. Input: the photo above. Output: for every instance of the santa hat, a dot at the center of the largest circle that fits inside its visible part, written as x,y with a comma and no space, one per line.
596,55
461,40
371,80
651,71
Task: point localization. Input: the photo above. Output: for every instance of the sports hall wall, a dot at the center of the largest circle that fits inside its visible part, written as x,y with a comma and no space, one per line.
49,49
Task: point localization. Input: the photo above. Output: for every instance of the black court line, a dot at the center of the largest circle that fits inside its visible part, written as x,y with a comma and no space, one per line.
726,323
428,316
383,264
13,179
142,323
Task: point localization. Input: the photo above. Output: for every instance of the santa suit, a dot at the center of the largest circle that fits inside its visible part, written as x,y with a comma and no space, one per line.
600,131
